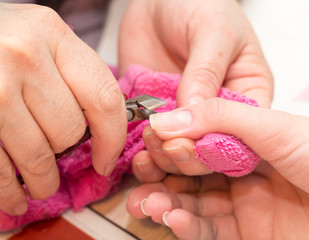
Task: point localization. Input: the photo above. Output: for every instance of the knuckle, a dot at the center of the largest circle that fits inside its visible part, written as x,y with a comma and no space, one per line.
72,135
216,108
7,175
18,50
41,162
51,18
205,77
108,97
48,15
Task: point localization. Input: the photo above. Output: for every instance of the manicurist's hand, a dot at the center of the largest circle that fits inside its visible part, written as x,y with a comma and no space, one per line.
256,206
211,43
50,83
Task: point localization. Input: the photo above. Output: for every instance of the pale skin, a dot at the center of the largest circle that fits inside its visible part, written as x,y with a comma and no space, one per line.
212,44
271,203
52,82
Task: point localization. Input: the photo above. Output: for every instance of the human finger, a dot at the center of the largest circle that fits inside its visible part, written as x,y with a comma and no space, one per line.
189,184
154,146
211,52
181,152
267,132
29,149
250,74
169,195
186,225
137,195
208,204
97,92
179,221
57,112
145,170
13,199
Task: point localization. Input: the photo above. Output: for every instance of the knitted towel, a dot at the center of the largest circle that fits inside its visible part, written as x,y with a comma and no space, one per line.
81,185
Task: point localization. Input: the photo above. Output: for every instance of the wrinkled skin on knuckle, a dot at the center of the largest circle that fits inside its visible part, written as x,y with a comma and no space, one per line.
108,98
41,163
203,75
216,109
68,138
9,201
7,175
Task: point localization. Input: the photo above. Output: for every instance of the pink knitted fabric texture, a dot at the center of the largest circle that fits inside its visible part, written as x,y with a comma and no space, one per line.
81,185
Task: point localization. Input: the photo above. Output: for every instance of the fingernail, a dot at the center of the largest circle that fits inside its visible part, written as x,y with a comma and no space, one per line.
109,169
154,141
178,153
145,167
195,100
171,121
21,208
142,207
164,218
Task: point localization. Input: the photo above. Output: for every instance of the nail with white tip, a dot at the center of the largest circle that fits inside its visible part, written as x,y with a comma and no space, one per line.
164,218
142,207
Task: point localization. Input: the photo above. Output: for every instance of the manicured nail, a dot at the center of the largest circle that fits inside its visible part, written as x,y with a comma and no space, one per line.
145,167
142,207
21,208
171,121
178,153
154,141
164,218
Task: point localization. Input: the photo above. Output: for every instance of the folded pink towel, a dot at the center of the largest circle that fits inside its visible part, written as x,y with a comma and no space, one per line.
81,185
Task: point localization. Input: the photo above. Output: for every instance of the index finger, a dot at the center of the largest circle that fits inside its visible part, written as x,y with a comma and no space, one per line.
98,94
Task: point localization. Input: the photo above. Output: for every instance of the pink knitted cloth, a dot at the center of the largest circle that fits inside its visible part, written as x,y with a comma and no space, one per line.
81,185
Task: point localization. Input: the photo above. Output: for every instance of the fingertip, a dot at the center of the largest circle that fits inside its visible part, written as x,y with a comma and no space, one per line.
189,94
186,225
42,186
181,222
21,208
13,200
143,207
181,152
164,218
138,194
135,204
145,169
105,155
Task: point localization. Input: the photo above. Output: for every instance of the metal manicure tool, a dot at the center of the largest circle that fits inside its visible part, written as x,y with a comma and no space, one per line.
138,108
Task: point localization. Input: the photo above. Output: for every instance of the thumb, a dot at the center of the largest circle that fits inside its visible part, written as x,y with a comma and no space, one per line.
279,138
206,68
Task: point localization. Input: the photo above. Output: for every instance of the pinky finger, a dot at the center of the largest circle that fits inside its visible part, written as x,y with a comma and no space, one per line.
145,170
